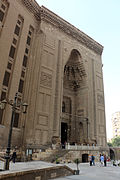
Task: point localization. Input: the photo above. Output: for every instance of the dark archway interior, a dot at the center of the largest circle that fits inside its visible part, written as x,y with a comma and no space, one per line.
64,129
112,154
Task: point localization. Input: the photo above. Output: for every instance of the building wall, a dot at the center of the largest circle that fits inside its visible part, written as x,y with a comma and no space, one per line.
49,50
16,11
116,124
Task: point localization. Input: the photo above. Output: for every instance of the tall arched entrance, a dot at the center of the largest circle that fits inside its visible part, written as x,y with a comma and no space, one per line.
73,110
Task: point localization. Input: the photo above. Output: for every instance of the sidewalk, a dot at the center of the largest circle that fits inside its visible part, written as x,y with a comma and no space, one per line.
30,165
96,172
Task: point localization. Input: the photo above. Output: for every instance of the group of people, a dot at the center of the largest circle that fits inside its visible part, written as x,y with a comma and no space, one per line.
102,160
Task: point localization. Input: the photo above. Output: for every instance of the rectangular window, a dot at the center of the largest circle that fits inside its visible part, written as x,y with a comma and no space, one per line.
28,40
3,95
23,74
16,120
19,22
1,15
14,41
6,78
17,30
21,83
3,7
30,33
25,61
9,66
1,115
12,52
26,50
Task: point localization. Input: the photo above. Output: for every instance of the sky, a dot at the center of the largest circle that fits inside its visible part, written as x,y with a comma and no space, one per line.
100,19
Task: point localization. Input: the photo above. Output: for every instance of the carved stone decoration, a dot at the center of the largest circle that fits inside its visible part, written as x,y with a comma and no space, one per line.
46,80
48,16
33,7
80,112
42,13
100,99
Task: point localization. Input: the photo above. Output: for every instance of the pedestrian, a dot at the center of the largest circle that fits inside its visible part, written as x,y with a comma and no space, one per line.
93,160
105,159
14,156
90,159
102,159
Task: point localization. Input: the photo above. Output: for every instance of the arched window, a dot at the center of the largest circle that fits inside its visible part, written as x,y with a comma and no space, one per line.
63,106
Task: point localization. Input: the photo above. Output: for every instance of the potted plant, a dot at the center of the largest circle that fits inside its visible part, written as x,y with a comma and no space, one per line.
77,161
57,160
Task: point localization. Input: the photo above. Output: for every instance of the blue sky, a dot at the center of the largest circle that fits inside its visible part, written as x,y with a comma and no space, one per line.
100,19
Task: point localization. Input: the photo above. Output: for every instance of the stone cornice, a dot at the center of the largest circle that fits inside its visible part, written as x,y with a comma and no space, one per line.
50,17
33,7
42,13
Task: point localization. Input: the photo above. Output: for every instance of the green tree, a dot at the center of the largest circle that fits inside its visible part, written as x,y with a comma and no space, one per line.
109,144
116,141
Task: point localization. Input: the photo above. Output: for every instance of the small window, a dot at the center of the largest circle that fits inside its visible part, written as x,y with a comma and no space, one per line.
63,106
16,120
1,115
28,40
17,30
14,41
3,7
25,61
26,50
12,52
23,74
21,83
1,15
19,22
9,66
6,79
3,95
30,33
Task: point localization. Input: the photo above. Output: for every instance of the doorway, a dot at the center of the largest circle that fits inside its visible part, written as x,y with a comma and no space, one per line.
84,158
64,129
112,154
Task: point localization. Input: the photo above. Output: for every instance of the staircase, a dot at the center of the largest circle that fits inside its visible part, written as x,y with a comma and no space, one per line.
50,155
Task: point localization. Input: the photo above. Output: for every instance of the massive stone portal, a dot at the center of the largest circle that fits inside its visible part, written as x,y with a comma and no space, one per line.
57,70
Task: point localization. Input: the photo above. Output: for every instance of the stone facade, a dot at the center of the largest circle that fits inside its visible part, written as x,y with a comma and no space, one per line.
116,124
57,70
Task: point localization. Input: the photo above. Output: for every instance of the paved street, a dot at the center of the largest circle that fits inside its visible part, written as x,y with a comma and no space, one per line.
94,172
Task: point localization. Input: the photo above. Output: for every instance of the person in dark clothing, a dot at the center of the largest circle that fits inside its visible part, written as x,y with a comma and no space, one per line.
14,155
93,160
90,159
105,160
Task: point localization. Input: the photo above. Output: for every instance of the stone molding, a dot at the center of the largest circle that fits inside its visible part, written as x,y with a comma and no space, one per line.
33,7
42,13
71,30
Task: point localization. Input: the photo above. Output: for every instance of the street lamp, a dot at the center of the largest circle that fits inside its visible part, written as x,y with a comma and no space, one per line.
14,105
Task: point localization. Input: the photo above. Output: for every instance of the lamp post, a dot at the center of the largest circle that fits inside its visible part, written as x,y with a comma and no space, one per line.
14,105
